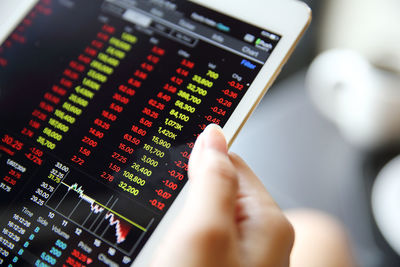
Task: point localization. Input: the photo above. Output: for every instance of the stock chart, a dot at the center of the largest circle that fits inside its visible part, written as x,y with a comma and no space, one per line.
100,106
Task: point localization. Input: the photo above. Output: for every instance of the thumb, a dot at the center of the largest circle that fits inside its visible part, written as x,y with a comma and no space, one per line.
212,179
205,227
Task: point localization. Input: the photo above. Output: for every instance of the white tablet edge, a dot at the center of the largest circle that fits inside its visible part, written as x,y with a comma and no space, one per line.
289,19
286,18
15,11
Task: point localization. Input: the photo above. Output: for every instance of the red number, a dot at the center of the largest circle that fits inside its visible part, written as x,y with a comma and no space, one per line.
185,154
140,74
158,51
230,93
157,204
77,160
96,133
41,116
12,142
126,148
134,83
139,131
163,194
156,104
107,176
36,151
102,124
219,111
224,102
84,151
176,80
126,90
187,63
79,255
15,174
153,59
145,122
190,145
116,107
164,97
170,88
27,22
58,90
108,29
51,98
150,113
182,72
34,124
97,44
102,36
18,38
118,157
90,51
89,141
76,66
147,67
72,262
71,74
236,85
27,132
35,159
131,139
120,98
202,126
176,175
181,165
170,184
84,59
108,115
212,119
66,83
43,105
114,167
9,180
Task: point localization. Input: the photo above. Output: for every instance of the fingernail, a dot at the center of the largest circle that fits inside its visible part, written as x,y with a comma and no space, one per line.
213,137
212,127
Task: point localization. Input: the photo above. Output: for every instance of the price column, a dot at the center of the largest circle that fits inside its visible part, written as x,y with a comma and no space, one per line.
104,66
131,181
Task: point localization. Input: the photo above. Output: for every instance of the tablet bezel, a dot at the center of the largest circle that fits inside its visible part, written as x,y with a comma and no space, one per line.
289,19
15,11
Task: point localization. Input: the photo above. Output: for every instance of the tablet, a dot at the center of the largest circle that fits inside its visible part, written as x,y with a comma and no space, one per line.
101,102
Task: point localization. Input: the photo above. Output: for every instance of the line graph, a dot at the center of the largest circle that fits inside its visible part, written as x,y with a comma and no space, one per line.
97,207
100,211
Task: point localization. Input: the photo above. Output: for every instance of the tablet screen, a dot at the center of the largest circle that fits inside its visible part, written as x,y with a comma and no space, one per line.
100,105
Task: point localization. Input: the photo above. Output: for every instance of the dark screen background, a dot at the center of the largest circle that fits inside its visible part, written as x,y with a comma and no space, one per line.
89,169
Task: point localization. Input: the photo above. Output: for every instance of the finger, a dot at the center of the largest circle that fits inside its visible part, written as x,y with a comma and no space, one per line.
207,222
250,184
212,138
213,180
264,230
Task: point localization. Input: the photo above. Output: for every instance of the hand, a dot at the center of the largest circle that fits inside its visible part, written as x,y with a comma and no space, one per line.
229,219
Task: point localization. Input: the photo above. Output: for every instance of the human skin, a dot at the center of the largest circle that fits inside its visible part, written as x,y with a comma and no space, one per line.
321,240
229,219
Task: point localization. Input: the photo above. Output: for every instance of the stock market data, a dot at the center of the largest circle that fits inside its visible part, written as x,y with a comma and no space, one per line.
100,105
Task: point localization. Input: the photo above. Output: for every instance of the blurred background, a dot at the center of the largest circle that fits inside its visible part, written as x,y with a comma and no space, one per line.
325,132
